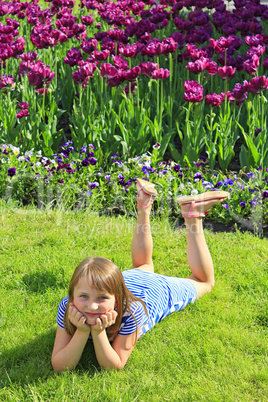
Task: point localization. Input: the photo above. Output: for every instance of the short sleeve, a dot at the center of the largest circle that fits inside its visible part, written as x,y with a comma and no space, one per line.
129,325
61,312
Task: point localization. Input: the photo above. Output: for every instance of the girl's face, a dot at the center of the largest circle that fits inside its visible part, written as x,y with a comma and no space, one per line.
91,301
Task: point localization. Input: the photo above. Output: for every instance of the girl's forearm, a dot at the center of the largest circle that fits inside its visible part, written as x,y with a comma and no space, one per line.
105,354
68,357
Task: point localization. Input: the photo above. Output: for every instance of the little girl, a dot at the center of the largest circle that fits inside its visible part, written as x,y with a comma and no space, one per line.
114,308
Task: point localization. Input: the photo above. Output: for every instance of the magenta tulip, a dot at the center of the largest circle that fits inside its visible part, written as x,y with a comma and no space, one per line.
193,91
213,99
227,72
132,74
120,63
107,70
161,73
257,84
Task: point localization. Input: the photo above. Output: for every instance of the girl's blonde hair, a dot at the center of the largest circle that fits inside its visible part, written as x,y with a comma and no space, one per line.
105,276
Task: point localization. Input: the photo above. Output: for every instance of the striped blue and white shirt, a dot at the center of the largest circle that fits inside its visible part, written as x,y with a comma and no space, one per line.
161,294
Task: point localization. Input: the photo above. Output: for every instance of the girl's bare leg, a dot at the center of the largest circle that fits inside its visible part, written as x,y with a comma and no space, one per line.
142,243
199,258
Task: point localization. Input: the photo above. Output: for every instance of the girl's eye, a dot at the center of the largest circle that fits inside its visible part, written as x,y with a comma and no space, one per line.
102,298
83,296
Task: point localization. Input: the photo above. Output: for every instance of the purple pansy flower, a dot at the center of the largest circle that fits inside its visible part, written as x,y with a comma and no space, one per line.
11,172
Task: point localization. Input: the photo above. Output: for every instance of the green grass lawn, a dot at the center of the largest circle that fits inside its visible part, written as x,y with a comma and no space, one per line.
214,350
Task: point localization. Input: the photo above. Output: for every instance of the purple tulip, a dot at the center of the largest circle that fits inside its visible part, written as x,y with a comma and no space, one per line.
193,91
257,84
18,46
42,91
5,51
23,113
251,65
161,73
229,96
120,63
107,70
66,21
116,80
258,50
213,99
137,7
221,44
13,23
129,50
84,72
148,68
73,57
41,36
255,27
87,19
7,81
132,88
254,40
170,45
183,25
179,39
89,45
31,56
80,31
226,72
132,74
24,105
116,35
239,90
100,56
197,66
211,67
194,52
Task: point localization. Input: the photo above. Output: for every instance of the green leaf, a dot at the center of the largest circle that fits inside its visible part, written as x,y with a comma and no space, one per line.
174,153
244,157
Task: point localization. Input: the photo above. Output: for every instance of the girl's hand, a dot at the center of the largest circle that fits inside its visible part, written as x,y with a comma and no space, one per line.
78,319
106,320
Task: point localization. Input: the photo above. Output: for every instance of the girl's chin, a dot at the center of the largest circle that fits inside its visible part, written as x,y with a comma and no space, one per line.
91,320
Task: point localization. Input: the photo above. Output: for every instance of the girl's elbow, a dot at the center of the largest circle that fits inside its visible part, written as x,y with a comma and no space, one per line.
117,366
58,367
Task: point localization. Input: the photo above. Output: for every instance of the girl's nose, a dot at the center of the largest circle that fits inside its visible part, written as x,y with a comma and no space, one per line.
92,305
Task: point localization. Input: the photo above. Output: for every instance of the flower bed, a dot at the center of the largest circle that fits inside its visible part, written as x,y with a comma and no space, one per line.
81,179
125,75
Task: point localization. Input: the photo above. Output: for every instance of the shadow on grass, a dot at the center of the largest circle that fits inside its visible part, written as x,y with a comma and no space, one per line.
29,362
39,282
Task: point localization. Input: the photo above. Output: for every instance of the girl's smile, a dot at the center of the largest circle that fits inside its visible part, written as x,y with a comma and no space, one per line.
91,301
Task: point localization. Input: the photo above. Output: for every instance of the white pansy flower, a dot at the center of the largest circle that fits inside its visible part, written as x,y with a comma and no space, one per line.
29,153
15,150
194,191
